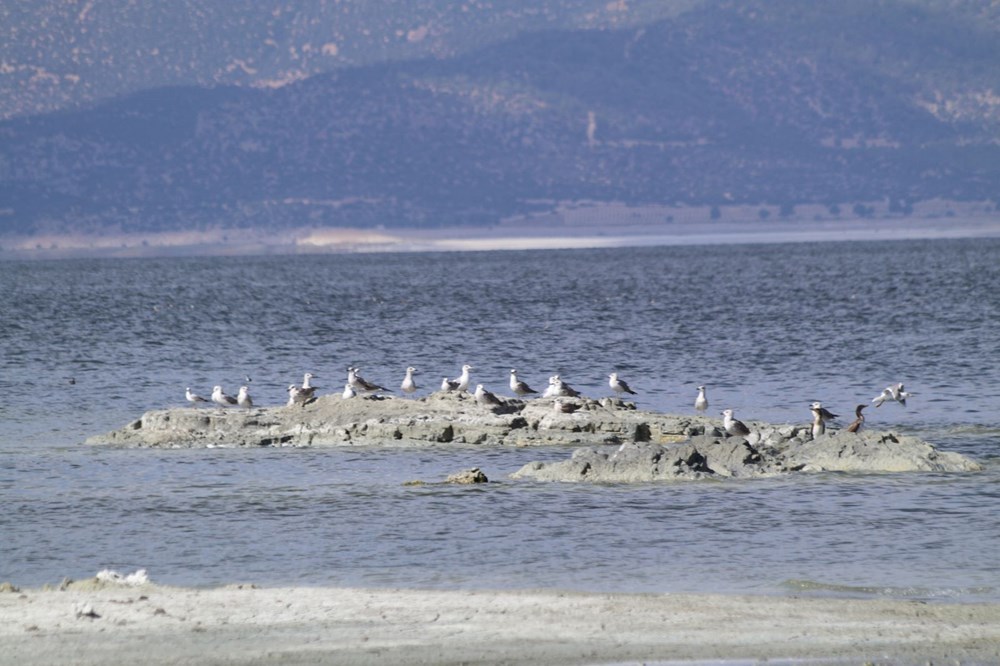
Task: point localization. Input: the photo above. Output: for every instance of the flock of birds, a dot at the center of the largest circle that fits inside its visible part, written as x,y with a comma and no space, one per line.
358,386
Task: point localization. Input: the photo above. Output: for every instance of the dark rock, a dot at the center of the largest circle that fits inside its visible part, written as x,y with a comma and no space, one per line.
469,476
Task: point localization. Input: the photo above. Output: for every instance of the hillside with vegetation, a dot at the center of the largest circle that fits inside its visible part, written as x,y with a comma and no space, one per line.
731,103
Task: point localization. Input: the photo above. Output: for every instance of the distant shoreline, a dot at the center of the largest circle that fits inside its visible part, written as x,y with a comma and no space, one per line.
516,234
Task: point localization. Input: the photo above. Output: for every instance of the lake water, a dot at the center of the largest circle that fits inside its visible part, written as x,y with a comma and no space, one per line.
769,328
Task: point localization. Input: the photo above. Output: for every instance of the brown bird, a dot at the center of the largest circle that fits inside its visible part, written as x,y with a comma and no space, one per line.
857,423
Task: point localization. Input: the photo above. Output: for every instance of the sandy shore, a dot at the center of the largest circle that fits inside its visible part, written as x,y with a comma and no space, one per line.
94,624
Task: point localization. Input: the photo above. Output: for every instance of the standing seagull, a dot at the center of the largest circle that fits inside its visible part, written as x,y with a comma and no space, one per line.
553,389
732,426
295,395
307,389
448,385
221,399
462,381
563,389
193,397
825,413
518,387
701,402
243,398
618,385
858,421
359,384
408,385
485,398
819,421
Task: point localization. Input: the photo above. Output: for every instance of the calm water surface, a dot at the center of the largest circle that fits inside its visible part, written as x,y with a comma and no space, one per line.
769,328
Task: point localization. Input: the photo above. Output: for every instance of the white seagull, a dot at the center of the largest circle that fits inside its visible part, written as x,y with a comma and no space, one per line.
193,397
307,389
894,393
553,389
732,426
485,398
348,392
898,394
819,421
448,385
359,384
824,412
408,385
243,398
295,396
618,385
518,387
701,402
221,399
563,389
462,381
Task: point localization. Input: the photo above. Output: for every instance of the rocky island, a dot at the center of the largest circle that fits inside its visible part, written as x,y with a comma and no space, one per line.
614,441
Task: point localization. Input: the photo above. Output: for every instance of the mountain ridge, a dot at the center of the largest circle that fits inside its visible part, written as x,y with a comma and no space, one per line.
770,104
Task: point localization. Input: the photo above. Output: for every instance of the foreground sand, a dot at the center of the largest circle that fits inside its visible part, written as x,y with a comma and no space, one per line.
90,624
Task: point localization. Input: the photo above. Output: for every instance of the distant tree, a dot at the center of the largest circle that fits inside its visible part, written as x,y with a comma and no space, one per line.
763,213
862,210
834,209
715,213
786,210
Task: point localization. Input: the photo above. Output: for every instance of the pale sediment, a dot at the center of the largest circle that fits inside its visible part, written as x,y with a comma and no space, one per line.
93,623
618,443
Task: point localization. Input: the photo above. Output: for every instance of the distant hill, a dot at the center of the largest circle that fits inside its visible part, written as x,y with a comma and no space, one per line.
780,103
61,54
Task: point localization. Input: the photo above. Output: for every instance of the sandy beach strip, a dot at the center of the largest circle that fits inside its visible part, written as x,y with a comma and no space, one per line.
90,623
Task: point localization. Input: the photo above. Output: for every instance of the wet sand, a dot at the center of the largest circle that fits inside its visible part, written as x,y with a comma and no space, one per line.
90,623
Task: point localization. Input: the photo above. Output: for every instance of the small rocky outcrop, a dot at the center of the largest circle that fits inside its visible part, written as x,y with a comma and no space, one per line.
467,477
440,418
618,442
703,457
